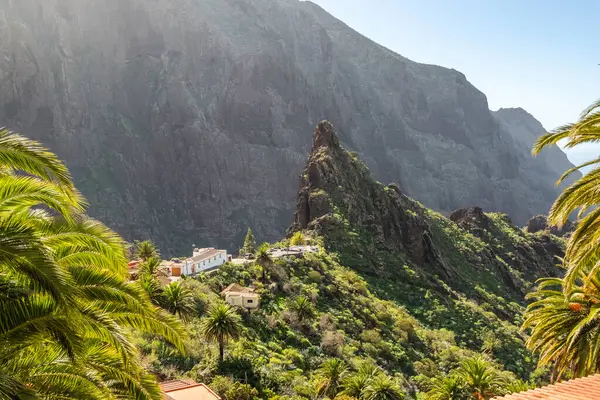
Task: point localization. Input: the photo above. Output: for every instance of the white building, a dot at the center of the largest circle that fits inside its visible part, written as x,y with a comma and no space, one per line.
203,260
237,295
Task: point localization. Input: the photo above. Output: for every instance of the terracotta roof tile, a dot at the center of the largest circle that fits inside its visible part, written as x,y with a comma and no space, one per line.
236,288
206,254
576,389
187,389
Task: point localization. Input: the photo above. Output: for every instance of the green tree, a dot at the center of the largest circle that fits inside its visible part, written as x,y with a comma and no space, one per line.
146,250
582,254
563,316
382,387
231,390
330,376
249,244
480,377
221,325
152,267
264,260
355,385
564,325
302,307
66,311
153,288
449,388
179,300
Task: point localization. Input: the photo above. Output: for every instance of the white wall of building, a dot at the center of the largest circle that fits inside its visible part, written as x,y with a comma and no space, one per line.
192,267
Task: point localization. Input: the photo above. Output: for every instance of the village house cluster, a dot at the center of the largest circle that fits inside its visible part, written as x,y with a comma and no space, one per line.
209,259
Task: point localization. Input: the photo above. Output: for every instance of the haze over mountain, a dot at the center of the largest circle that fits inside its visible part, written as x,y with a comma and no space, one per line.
189,121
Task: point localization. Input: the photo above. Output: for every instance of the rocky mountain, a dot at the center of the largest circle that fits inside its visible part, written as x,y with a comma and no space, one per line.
187,121
452,273
379,230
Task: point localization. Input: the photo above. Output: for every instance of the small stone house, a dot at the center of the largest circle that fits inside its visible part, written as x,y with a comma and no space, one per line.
237,295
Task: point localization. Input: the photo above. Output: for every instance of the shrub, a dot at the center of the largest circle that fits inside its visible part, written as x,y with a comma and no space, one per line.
315,277
332,342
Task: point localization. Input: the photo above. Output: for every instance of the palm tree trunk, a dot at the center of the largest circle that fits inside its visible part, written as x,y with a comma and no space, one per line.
221,349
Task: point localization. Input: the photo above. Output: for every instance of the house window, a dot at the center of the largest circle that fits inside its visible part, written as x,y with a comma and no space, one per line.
250,301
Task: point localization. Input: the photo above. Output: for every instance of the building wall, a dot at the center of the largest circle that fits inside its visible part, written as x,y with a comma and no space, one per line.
250,301
246,300
214,261
192,268
233,299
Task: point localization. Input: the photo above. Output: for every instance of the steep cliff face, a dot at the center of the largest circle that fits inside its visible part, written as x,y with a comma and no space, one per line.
381,232
186,121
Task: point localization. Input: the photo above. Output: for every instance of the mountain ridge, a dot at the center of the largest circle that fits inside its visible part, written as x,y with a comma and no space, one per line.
184,121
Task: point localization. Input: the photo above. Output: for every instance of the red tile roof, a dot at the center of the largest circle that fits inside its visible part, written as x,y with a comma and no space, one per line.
576,389
235,288
187,389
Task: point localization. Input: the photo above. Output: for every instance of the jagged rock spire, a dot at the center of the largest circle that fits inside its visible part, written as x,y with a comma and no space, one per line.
325,136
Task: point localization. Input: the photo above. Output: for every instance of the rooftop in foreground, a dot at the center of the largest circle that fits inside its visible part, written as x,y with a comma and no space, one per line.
187,389
576,389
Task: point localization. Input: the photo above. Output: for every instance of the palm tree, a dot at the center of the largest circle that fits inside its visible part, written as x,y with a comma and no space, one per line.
264,260
448,388
66,310
517,386
479,377
152,267
146,250
355,385
302,307
564,325
221,325
582,253
382,387
153,288
179,300
331,374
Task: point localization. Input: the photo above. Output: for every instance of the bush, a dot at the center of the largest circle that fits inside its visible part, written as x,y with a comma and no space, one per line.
332,342
315,277
298,239
230,390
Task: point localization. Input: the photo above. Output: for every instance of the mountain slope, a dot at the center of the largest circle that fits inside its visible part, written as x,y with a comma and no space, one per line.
392,284
381,232
184,121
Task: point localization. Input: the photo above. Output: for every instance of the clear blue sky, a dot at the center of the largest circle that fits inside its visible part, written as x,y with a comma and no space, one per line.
541,55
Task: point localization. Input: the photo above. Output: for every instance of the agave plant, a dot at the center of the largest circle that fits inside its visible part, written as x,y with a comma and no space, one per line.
66,310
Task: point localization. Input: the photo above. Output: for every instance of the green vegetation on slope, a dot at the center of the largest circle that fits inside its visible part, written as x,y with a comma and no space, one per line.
314,310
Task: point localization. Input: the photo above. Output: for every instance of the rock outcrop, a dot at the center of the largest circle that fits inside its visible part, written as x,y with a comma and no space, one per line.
184,121
379,230
539,223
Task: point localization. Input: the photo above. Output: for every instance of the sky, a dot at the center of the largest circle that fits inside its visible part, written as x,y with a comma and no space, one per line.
540,55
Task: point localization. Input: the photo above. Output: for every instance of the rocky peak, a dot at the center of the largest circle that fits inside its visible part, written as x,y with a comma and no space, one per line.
325,136
471,219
